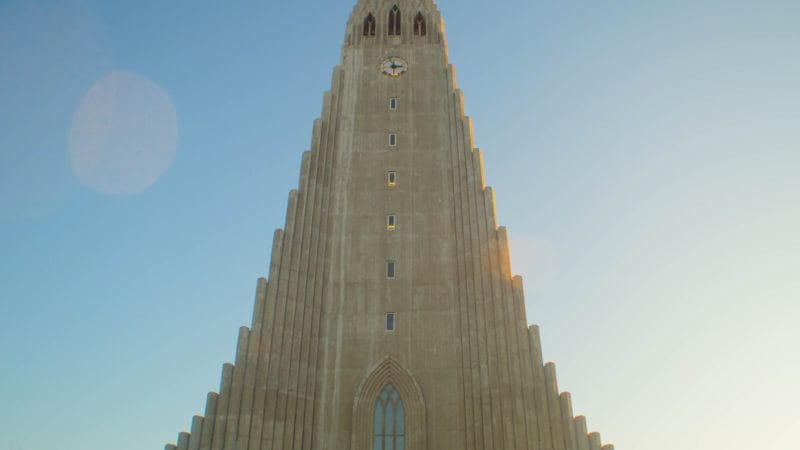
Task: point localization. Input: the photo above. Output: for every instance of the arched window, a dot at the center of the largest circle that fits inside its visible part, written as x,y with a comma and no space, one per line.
394,21
419,25
389,421
369,25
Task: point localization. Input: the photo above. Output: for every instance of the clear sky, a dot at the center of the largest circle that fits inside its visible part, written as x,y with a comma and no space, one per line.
646,158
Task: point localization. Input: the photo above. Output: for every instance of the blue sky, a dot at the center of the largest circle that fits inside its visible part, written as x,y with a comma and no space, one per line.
645,158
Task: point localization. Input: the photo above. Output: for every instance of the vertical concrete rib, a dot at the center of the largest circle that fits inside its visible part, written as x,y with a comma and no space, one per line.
526,367
307,413
268,321
183,441
566,421
554,406
196,433
305,371
277,345
253,353
579,425
518,336
308,375
299,364
325,393
542,410
257,321
299,368
296,296
218,438
237,387
505,301
474,291
485,318
208,421
294,306
594,441
493,270
466,329
316,421
478,368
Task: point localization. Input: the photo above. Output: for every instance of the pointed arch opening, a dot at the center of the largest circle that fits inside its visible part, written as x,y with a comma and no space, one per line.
394,21
369,25
388,421
420,28
389,411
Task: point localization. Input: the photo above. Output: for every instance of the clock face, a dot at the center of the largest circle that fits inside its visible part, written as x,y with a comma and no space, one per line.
394,67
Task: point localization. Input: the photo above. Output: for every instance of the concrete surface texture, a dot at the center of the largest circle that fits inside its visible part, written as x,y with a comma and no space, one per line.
391,221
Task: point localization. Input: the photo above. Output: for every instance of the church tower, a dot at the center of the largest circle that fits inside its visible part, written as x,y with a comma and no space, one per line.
390,319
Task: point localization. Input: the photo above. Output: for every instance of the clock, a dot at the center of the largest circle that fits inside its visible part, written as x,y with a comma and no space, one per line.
394,66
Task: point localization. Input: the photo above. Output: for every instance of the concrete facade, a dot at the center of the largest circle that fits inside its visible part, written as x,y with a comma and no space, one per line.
468,368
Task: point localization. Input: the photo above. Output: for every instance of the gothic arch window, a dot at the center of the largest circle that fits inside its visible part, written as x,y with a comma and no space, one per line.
419,25
389,421
407,429
369,25
394,21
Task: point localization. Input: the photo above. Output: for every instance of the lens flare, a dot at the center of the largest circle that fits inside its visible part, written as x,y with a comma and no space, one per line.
124,134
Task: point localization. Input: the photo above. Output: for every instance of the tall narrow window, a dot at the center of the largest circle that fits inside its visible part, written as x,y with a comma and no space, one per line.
391,222
369,25
392,140
394,21
389,421
392,103
390,325
419,25
391,179
390,271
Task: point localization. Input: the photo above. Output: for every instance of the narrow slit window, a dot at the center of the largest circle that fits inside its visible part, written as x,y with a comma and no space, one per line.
392,179
390,324
392,103
390,270
391,222
394,21
369,25
419,25
392,140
